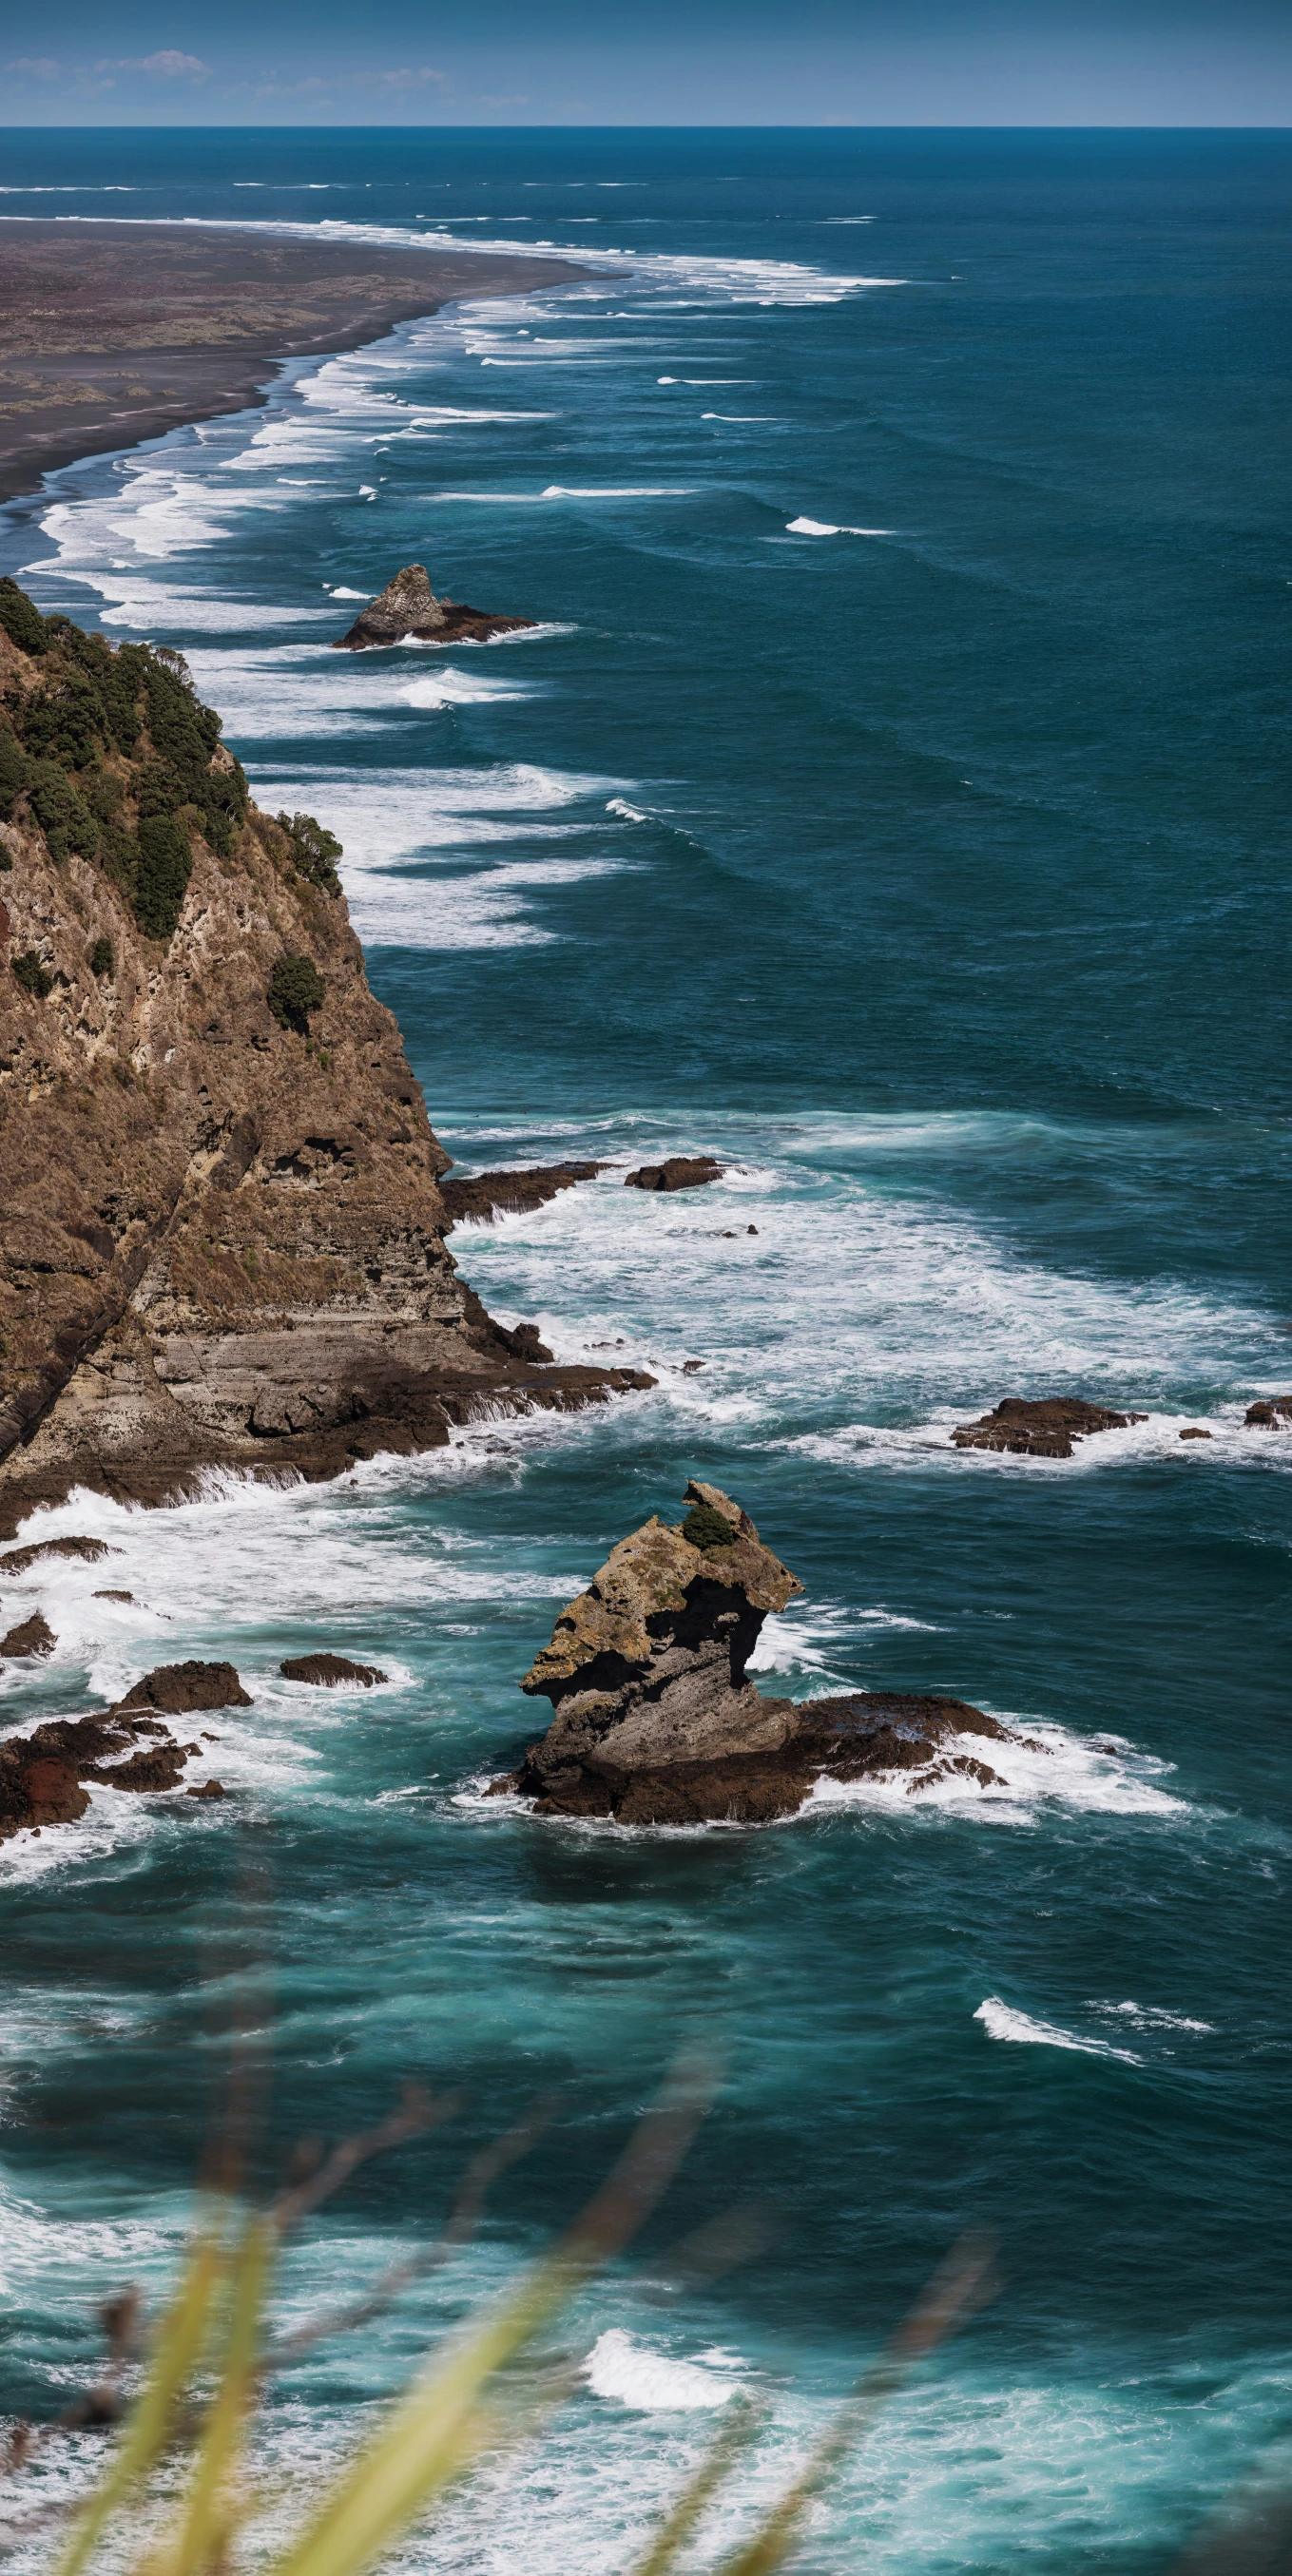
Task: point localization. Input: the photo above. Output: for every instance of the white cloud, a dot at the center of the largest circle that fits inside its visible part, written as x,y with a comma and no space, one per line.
167,65
37,66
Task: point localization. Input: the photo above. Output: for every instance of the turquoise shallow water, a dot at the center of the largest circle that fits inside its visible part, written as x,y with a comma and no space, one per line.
887,802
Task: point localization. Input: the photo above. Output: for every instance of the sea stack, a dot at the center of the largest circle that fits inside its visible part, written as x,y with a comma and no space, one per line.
408,611
654,1721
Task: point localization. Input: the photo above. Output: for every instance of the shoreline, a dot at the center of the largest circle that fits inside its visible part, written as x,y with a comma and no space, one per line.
157,328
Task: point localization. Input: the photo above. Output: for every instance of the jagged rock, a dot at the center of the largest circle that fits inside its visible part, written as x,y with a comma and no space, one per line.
179,1688
481,1195
330,1670
680,1172
654,1721
206,1789
1273,1413
408,607
114,1596
1195,1432
17,1560
40,1773
1041,1428
33,1636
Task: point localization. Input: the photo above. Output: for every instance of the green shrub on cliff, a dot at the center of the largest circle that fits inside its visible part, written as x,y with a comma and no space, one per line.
100,959
162,872
21,619
96,702
34,978
707,1529
315,850
295,989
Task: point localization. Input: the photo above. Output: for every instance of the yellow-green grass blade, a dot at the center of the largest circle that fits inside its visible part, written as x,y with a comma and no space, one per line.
744,2418
202,2533
431,2438
178,2348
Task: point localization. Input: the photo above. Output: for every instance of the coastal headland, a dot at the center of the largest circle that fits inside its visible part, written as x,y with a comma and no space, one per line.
113,333
221,1236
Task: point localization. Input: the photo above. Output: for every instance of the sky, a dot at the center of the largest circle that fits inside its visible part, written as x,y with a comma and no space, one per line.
659,62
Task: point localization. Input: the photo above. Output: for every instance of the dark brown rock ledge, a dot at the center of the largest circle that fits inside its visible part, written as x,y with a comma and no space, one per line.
1042,1428
408,609
654,1721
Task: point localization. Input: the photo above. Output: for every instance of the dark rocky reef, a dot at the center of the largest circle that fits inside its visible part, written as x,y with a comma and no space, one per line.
679,1172
654,1721
32,1636
481,1195
1272,1413
1044,1428
126,1747
221,1236
330,1671
408,608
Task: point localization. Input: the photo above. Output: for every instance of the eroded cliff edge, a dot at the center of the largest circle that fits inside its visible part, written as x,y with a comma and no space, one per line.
221,1240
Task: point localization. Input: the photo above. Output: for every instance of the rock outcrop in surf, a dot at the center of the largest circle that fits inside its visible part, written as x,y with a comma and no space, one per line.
655,1722
407,610
221,1236
1044,1427
478,1196
1271,1413
678,1172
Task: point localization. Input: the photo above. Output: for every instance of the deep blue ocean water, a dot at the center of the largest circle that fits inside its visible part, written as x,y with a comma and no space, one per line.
890,802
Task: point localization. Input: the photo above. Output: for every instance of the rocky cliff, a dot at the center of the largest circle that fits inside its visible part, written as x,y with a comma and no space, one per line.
221,1240
654,1721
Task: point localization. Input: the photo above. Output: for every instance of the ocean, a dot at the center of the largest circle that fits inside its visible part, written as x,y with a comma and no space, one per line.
887,800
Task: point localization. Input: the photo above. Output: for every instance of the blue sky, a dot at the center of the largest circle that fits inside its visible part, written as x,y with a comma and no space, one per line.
874,62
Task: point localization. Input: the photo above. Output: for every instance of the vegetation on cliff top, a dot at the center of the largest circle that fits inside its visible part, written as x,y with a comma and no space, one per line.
115,757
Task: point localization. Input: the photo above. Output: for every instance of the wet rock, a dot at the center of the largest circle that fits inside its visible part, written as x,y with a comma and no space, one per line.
330,1671
408,607
478,1196
17,1560
1194,1432
1042,1428
114,1596
680,1172
205,1789
54,1794
41,1773
654,1720
1273,1413
177,1688
33,1637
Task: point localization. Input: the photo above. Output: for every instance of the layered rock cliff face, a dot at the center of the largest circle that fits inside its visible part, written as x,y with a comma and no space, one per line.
221,1240
655,1722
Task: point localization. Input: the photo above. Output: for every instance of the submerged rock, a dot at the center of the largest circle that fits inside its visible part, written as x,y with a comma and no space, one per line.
408,607
330,1671
679,1172
33,1636
1041,1428
1273,1413
654,1720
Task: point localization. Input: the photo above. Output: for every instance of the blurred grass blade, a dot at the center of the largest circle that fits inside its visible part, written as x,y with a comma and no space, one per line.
203,2532
440,2427
958,2286
744,2418
178,2348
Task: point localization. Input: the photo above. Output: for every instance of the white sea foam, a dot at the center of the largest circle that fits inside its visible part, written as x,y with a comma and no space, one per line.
618,2366
1002,2021
824,528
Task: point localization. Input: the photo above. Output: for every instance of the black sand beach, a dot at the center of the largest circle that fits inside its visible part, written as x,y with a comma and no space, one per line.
111,333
